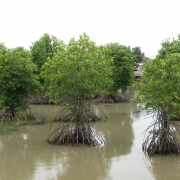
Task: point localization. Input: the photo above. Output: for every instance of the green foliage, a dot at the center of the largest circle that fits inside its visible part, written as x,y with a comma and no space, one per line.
78,70
138,55
169,46
6,127
159,87
17,78
75,73
9,126
42,49
2,48
146,59
123,60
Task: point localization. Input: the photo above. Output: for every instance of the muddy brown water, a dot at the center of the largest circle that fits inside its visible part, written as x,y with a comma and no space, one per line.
25,155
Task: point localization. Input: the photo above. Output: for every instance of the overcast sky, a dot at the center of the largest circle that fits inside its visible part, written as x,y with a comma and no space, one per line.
143,23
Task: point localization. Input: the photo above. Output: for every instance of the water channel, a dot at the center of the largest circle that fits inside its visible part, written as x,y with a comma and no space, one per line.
25,155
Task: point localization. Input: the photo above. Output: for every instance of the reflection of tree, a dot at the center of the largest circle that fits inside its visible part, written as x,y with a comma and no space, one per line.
86,163
21,152
119,138
27,156
94,163
165,167
15,161
117,130
129,94
44,112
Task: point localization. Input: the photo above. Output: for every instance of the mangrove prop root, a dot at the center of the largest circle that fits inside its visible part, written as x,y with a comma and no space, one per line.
68,133
75,127
162,137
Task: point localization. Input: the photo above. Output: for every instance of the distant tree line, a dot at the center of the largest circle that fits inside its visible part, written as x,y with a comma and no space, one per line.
38,73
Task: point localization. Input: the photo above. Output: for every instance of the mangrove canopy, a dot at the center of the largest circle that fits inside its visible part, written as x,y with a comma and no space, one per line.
76,73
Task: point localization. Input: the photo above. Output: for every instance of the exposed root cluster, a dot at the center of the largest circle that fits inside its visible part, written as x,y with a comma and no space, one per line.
10,115
75,126
73,132
162,136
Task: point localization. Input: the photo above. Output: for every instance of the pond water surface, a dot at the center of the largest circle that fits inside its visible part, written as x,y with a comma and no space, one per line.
25,155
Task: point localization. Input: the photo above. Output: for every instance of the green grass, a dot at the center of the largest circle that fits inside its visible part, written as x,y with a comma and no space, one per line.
8,127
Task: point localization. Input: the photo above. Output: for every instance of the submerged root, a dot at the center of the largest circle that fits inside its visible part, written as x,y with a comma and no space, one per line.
162,138
75,127
71,133
161,143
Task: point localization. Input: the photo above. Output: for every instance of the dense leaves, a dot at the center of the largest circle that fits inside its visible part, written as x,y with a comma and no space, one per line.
159,87
123,61
78,70
42,49
169,47
159,90
138,55
17,78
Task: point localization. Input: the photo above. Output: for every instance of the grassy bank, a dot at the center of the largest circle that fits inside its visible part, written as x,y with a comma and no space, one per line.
8,127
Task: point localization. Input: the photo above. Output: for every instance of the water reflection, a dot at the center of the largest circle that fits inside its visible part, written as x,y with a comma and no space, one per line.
94,163
129,94
32,158
26,155
117,130
25,152
44,112
164,167
87,163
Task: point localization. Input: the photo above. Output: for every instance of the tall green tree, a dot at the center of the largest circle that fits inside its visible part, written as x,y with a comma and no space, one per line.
138,55
17,80
169,46
77,71
42,49
123,61
158,91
